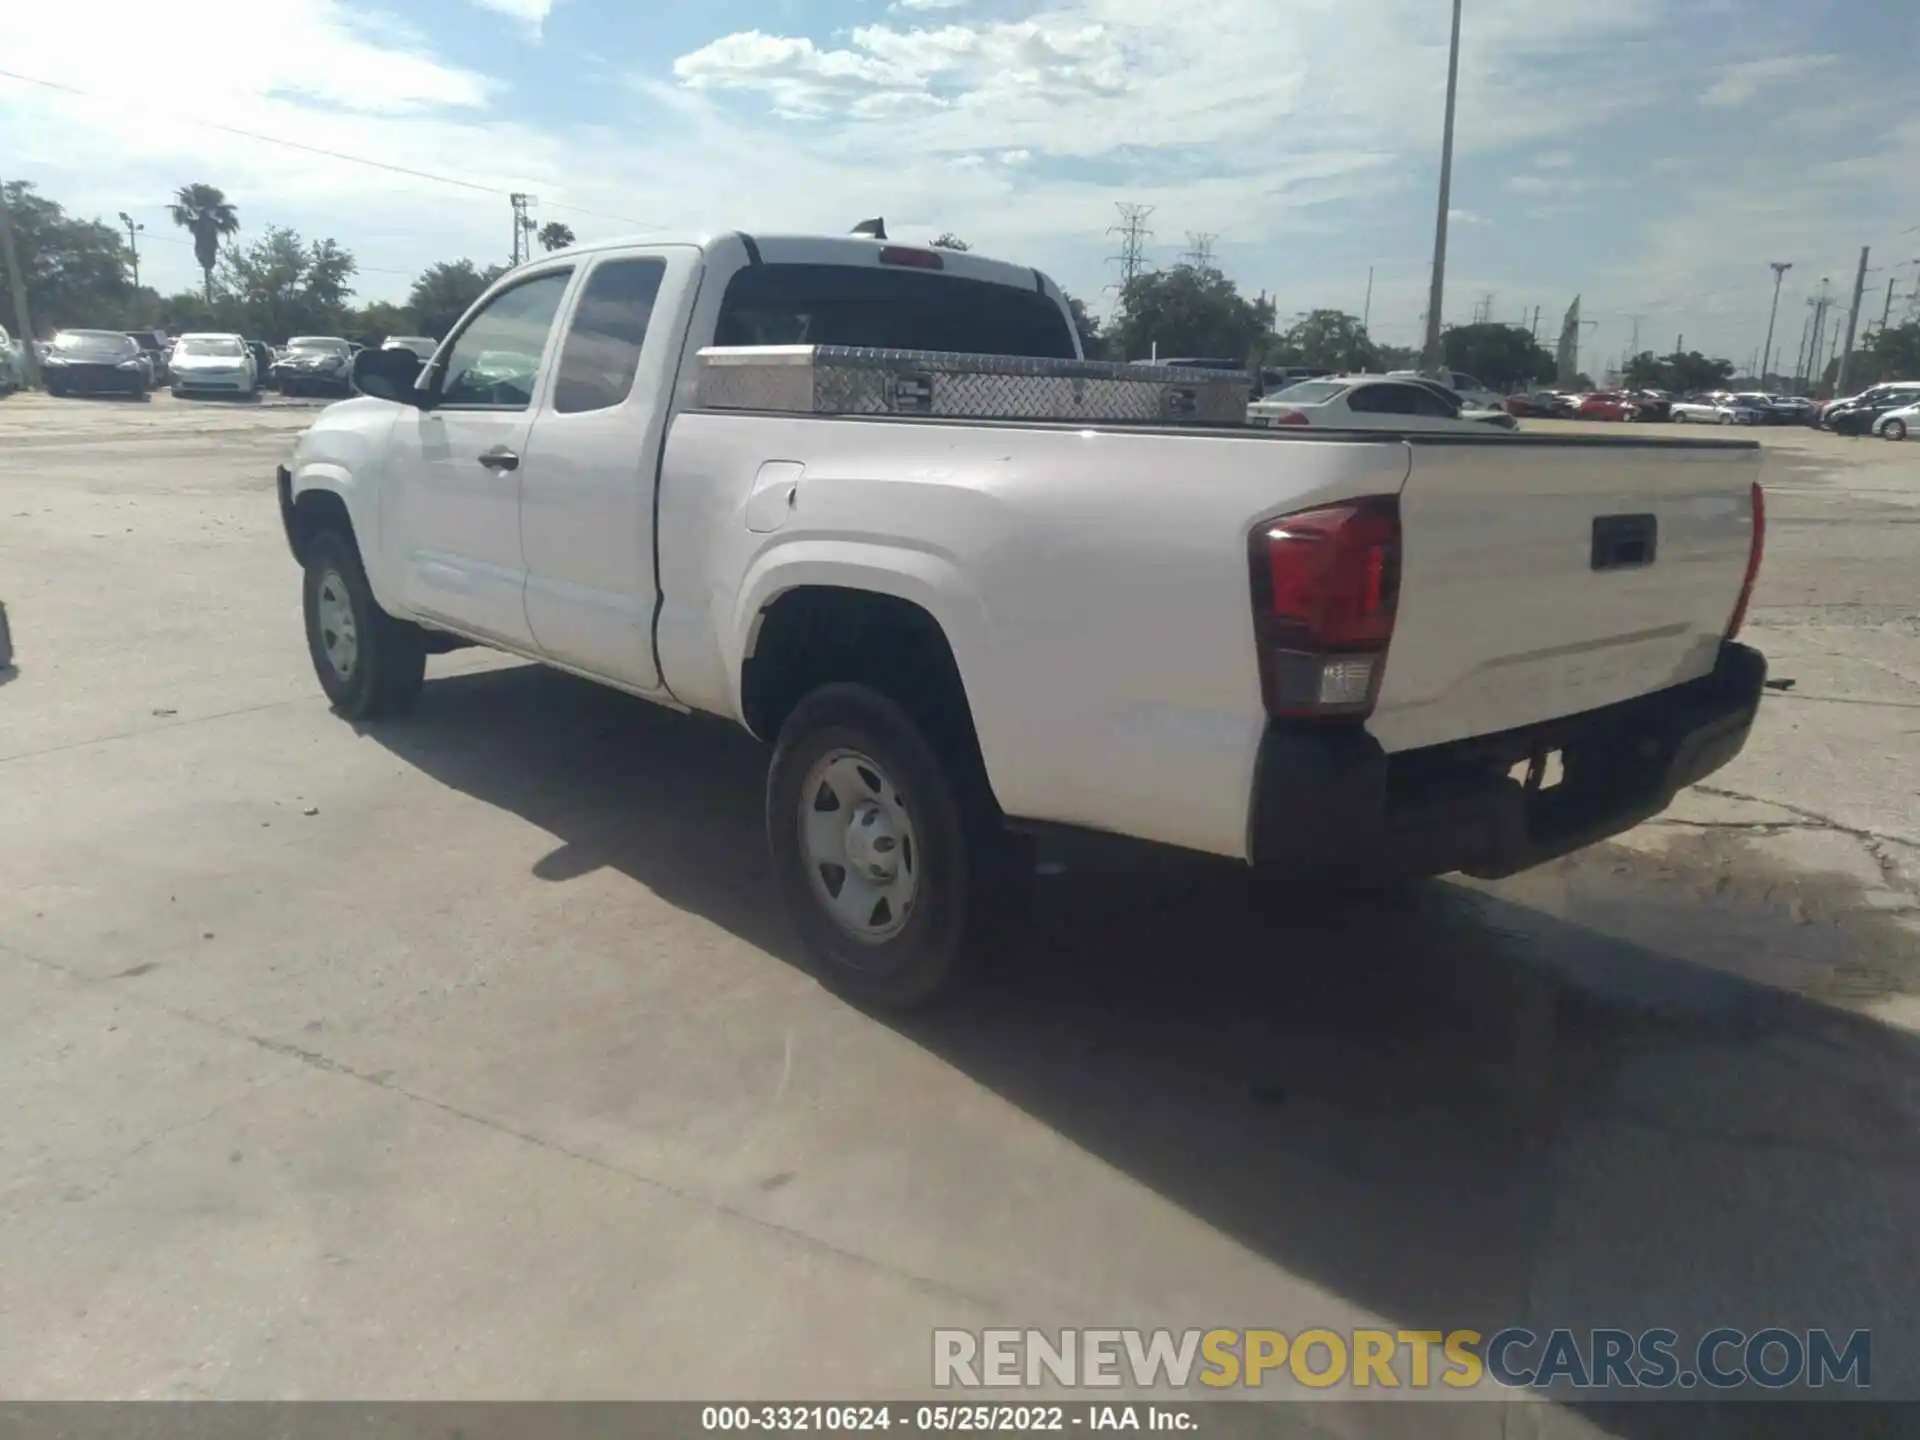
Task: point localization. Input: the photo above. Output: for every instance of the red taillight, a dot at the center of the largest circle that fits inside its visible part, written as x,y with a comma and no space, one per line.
1755,549
1325,586
1289,417
906,255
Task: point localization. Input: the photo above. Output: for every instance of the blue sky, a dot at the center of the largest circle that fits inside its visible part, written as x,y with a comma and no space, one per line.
1652,155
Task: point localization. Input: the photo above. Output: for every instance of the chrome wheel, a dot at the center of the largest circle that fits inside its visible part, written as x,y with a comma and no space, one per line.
858,847
338,635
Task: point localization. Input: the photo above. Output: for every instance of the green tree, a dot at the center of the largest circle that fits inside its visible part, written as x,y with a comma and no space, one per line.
1505,357
947,240
1190,311
1329,338
378,319
1890,354
1680,373
1093,344
74,270
446,291
556,235
279,286
204,212
1398,357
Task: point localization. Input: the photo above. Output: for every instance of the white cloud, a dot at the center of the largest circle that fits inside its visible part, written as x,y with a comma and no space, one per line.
1466,217
889,72
1015,157
1739,83
531,14
927,4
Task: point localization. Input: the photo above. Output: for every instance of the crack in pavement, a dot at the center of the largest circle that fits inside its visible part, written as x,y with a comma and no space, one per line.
316,1060
1872,841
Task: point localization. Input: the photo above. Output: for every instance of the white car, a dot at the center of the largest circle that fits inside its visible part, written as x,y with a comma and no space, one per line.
1898,424
967,615
1715,410
1472,393
211,363
1367,402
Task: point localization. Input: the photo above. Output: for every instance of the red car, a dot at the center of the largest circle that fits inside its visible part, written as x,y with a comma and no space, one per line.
1605,405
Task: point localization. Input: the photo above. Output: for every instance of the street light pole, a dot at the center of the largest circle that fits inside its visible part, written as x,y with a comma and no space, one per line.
133,244
1430,359
1780,268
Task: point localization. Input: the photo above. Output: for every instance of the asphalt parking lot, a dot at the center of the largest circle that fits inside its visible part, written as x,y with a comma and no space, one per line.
465,1056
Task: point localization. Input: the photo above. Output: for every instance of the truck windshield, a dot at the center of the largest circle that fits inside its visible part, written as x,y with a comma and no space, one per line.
889,309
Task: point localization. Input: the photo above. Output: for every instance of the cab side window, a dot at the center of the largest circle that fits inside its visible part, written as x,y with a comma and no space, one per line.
496,359
604,339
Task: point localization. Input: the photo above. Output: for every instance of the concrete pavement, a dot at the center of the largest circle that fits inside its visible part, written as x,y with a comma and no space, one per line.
466,1057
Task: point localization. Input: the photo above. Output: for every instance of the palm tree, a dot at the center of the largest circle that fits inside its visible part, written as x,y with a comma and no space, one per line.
205,212
555,235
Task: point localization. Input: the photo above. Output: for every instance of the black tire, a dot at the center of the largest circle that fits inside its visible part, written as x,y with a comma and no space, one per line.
389,659
58,392
1894,430
957,847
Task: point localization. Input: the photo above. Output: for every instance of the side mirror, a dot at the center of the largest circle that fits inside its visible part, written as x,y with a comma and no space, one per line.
390,375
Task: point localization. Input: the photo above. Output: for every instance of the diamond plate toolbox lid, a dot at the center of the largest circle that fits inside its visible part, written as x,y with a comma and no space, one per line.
856,380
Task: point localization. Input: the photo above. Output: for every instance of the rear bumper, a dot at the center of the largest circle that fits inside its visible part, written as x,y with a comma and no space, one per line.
213,384
1324,794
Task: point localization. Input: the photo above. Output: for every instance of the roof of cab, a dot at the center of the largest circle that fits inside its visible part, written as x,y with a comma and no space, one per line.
800,249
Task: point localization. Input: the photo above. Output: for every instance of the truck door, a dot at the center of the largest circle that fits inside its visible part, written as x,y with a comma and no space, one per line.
587,488
456,468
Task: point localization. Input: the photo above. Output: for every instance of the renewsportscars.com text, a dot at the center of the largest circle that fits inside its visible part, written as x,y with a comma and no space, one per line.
1770,1358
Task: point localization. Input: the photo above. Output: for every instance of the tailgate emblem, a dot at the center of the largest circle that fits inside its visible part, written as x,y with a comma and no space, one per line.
1624,542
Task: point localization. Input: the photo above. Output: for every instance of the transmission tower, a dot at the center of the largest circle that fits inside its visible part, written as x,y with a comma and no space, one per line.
1200,249
1133,235
522,226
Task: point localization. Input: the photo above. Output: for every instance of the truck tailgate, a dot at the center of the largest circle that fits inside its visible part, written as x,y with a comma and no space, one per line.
1544,578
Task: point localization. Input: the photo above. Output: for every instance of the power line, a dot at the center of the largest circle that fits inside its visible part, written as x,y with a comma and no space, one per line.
328,154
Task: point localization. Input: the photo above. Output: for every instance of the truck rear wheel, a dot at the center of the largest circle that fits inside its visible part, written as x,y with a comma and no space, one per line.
369,663
878,850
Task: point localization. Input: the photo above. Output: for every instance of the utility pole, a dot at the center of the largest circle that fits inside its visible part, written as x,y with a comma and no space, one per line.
1800,355
1886,310
1779,268
1819,328
133,244
1430,355
1633,346
1366,310
17,283
1853,321
1534,329
1200,249
1134,235
1483,309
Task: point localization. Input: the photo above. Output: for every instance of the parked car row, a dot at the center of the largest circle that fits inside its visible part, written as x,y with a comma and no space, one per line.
135,363
1874,410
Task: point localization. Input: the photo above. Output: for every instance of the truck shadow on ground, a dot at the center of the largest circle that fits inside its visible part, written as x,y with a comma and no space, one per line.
1555,1102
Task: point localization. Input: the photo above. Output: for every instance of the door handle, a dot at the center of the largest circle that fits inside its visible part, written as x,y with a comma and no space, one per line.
499,458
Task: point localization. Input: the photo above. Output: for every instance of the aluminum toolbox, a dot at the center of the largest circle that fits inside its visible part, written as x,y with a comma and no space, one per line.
855,380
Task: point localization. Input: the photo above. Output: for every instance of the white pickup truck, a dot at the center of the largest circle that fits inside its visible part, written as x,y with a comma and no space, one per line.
1411,652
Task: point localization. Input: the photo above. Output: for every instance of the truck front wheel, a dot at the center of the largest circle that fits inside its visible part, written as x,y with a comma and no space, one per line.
877,849
369,663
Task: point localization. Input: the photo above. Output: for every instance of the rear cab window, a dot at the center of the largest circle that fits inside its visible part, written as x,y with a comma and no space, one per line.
775,304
